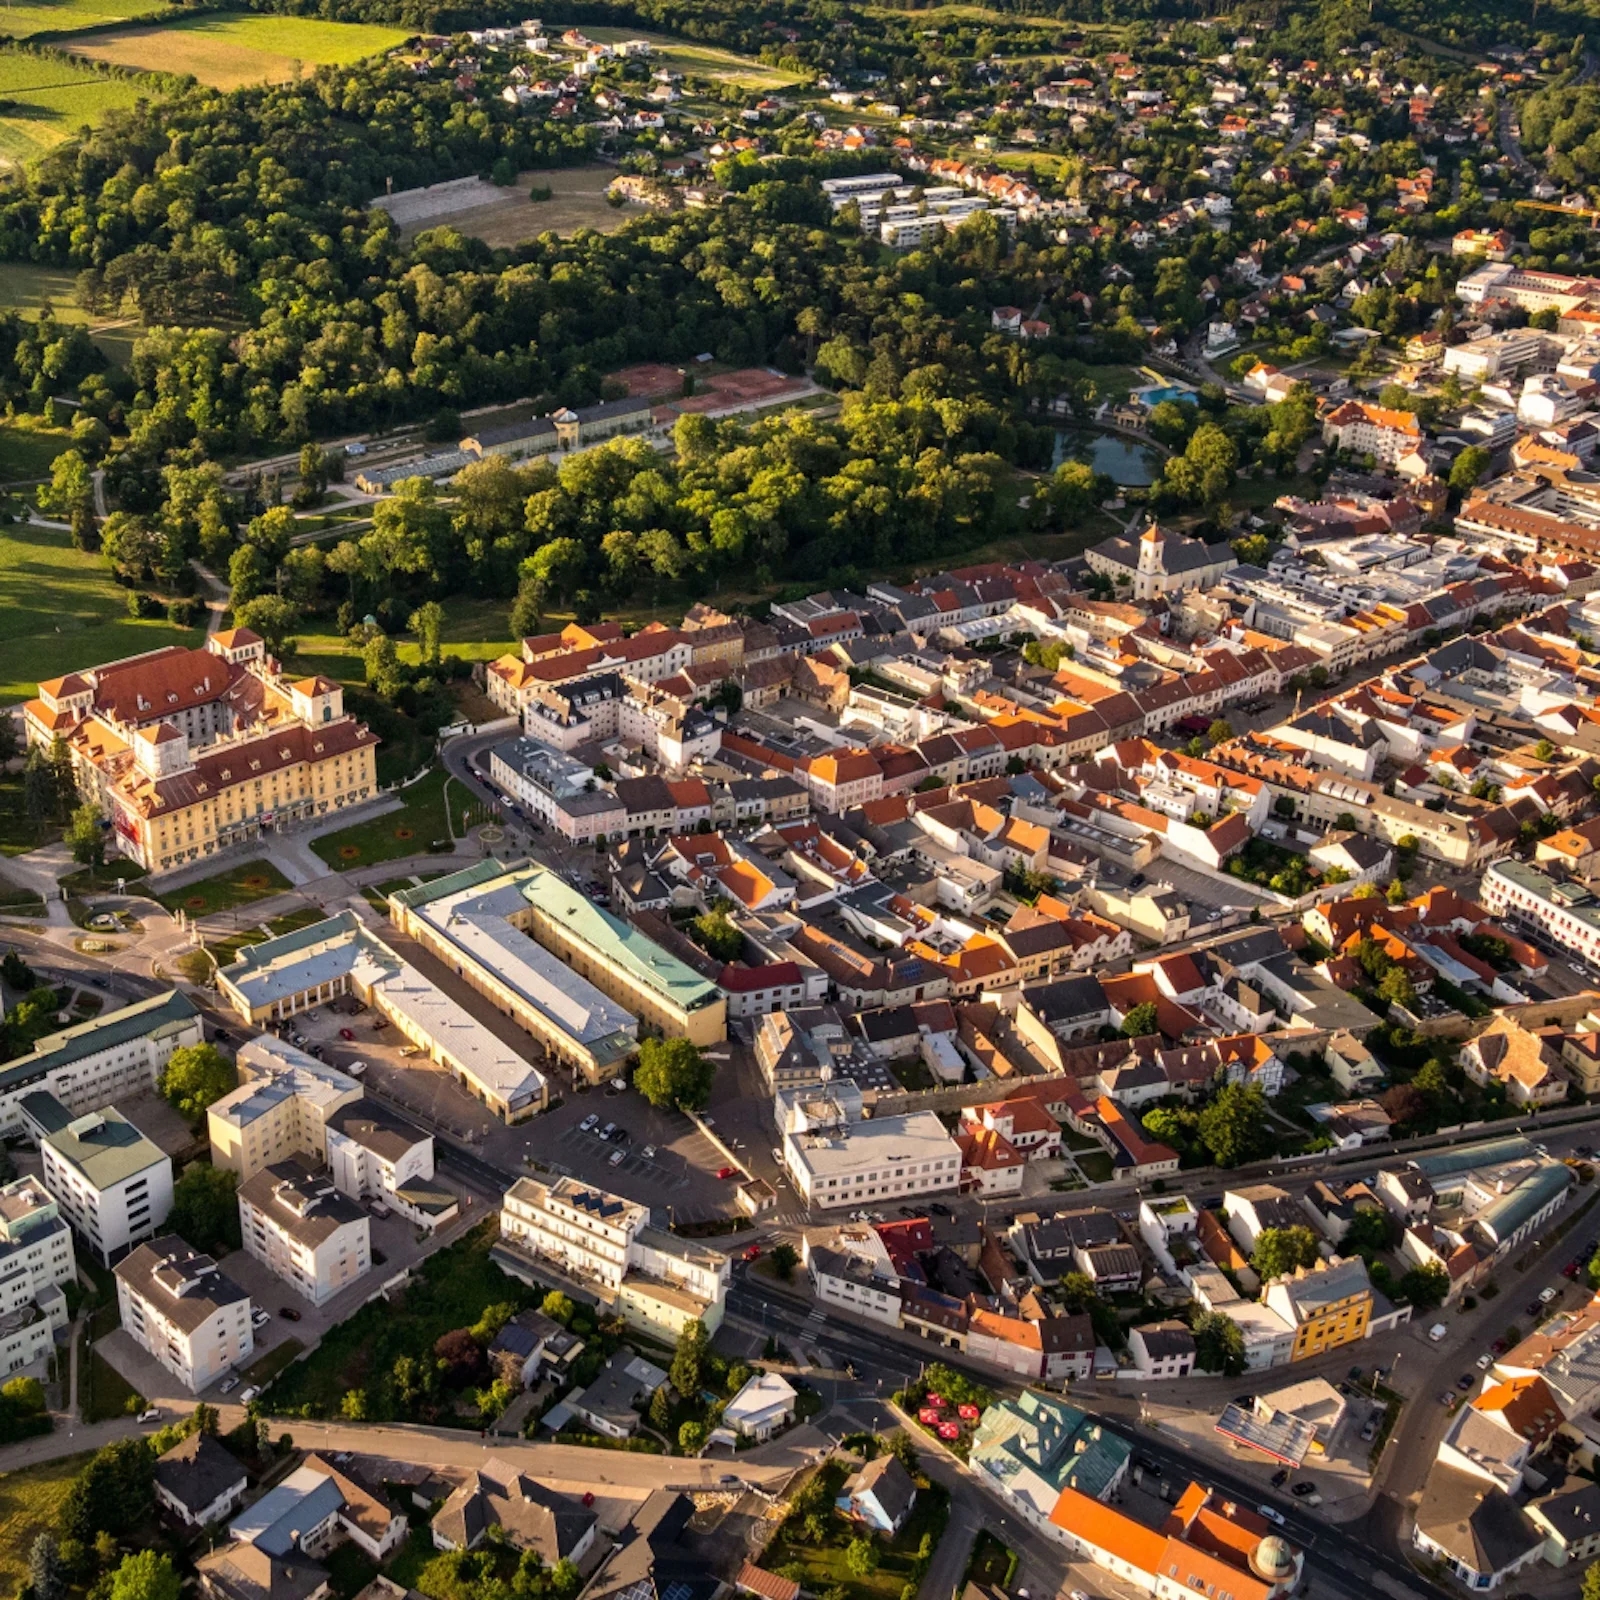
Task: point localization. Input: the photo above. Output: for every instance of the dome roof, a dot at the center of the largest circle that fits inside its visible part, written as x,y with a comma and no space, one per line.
1273,1559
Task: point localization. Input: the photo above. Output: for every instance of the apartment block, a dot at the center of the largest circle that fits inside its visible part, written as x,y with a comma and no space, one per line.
282,1106
36,1258
113,1185
177,1304
298,1225
570,1235
95,1063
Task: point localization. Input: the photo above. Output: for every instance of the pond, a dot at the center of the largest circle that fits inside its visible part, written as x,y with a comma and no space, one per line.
1124,461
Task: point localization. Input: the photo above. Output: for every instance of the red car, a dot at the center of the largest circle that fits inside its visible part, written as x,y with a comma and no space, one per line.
345,1033
753,1253
727,1172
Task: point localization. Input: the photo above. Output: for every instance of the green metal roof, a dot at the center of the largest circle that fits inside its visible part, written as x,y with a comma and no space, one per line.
105,1147
160,1014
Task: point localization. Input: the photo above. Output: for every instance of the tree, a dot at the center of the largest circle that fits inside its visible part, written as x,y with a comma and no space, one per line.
194,1077
1404,1103
1368,1229
558,1307
1425,1287
1218,1344
861,1557
427,622
114,1493
1395,894
1219,732
1140,1021
494,1318
1468,468
460,1357
17,973
45,1577
688,1361
145,1575
785,1258
692,1438
353,1405
1591,1582
672,1072
85,836
1279,1251
205,1208
1396,987
717,936
1234,1125
660,1410
273,617
25,1394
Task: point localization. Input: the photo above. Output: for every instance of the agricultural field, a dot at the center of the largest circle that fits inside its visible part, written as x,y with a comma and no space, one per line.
59,610
66,16
44,101
230,50
577,200
703,60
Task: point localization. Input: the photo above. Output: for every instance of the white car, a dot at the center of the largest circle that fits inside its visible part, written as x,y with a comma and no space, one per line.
249,1395
1547,1295
229,1384
589,1123
1483,1363
649,1152
153,1414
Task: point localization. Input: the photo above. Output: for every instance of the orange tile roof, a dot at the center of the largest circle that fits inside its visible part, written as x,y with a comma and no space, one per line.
1086,1519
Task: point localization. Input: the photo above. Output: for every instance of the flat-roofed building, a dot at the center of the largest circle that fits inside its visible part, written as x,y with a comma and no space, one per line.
340,956
850,1164
282,1106
112,1184
95,1063
177,1304
298,1225
36,1258
484,918
1328,1305
570,1234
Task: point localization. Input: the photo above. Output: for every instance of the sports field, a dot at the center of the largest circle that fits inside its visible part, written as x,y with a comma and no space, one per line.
44,100
229,50
59,610
702,60
577,200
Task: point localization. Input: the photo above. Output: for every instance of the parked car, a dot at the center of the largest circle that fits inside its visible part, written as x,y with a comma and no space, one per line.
1464,1382
616,1158
249,1395
1271,1513
589,1123
1534,1307
649,1152
151,1414
346,1033
1447,1397
727,1172
1303,1488
288,1313
1547,1295
606,1132
1369,1433
1483,1363
379,1210
1280,1477
229,1384
753,1253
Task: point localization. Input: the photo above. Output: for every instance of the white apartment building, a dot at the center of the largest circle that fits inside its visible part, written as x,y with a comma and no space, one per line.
851,1268
852,1164
112,1184
95,1063
282,1106
568,1234
189,1315
1568,913
298,1225
374,1156
36,1258
1372,430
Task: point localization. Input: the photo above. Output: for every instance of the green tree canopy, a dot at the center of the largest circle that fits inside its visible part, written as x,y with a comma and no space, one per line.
194,1077
1141,1020
1234,1126
1279,1251
205,1208
145,1575
673,1072
1218,1344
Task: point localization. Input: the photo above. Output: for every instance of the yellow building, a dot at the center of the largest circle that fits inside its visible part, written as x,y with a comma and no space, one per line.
620,963
191,751
1327,1305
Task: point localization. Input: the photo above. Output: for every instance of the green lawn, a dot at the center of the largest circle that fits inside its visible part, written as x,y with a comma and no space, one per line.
1095,1165
702,61
30,1501
451,1290
238,886
27,448
59,610
47,100
18,835
279,1357
399,833
62,16
103,1392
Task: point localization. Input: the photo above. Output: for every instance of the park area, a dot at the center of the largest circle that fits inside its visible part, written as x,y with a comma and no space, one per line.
230,49
238,886
411,831
59,610
45,100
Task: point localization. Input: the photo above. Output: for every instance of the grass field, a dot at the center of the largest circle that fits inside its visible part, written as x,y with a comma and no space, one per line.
27,448
47,100
474,629
63,16
59,610
30,1500
229,50
397,833
238,886
703,60
577,200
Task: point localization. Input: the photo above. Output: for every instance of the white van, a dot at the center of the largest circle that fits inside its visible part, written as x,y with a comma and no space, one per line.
1437,1332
